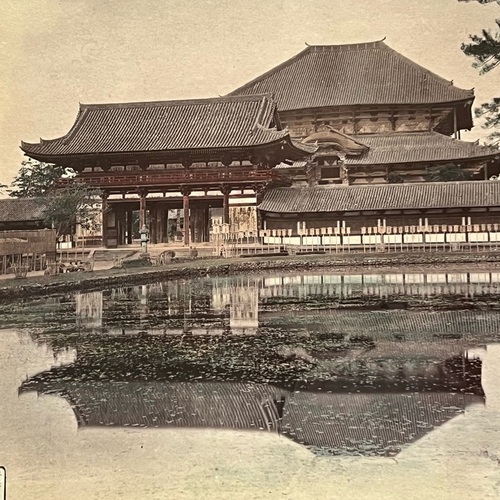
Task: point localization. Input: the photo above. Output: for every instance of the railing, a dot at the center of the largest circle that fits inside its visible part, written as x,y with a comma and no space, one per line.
173,177
29,250
443,238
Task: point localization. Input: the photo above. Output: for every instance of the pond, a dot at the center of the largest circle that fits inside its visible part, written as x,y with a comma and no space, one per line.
255,386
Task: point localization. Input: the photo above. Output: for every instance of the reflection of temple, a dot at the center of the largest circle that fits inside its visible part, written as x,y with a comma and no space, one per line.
324,416
382,285
378,380
231,305
241,294
368,424
179,307
408,326
89,310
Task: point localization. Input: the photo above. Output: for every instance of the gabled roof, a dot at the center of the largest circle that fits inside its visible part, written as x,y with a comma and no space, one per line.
417,147
232,405
426,328
222,122
368,424
295,164
338,198
22,209
350,75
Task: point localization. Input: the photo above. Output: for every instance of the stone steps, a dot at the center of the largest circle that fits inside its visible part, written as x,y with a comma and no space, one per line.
111,255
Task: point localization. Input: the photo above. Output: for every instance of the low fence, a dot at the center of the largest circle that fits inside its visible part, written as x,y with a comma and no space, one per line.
23,251
435,238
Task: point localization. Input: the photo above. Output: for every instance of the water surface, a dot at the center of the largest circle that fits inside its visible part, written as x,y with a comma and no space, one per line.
276,369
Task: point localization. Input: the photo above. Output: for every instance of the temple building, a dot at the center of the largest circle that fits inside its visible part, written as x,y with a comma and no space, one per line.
375,115
331,116
157,156
404,208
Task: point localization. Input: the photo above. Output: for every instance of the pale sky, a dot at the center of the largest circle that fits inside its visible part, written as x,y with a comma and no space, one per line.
57,53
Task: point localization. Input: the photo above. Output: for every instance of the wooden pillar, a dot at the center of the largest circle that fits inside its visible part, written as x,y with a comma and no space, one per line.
130,215
206,219
185,207
105,209
259,196
455,134
160,223
120,226
199,223
225,192
142,209
153,234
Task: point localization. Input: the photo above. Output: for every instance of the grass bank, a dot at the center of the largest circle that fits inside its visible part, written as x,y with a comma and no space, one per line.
13,289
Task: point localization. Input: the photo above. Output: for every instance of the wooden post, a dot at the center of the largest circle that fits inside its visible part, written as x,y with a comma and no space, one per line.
142,209
130,214
225,192
455,135
160,213
185,207
105,207
120,226
259,196
154,230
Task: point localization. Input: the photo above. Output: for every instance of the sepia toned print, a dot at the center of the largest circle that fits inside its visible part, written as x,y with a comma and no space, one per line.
249,249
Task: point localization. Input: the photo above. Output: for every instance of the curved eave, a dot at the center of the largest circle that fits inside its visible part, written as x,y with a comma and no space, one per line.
281,141
27,147
465,102
430,161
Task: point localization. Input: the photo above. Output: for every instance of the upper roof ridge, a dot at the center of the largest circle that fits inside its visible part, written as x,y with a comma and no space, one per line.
376,44
364,73
178,102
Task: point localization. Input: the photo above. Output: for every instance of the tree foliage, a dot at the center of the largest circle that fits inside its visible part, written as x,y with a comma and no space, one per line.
446,173
64,207
485,49
481,1
394,178
73,204
490,111
35,178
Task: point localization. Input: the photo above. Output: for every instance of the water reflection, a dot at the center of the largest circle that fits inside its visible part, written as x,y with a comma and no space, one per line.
273,354
241,305
323,416
339,399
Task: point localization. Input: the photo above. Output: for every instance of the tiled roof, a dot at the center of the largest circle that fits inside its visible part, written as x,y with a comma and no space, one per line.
232,405
295,164
22,209
360,423
368,424
356,74
339,198
425,328
416,148
223,122
307,148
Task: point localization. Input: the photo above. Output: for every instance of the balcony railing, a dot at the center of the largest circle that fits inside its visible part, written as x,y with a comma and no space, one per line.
174,177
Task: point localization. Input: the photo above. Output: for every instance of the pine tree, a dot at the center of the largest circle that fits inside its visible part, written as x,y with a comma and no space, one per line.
485,49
